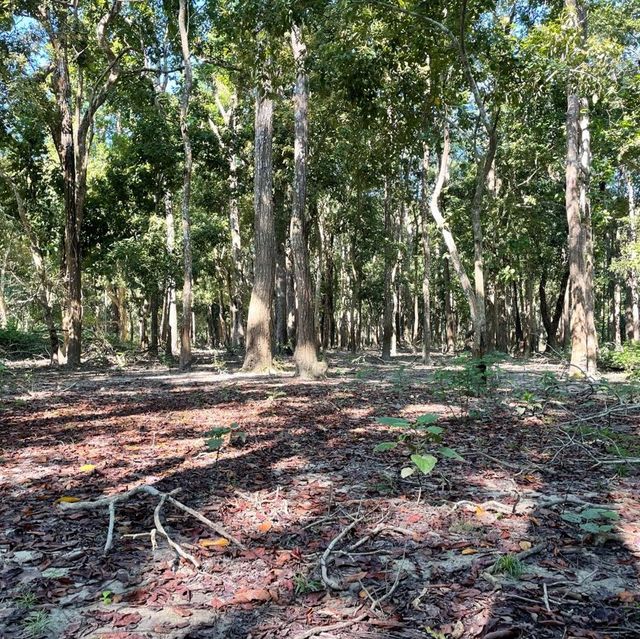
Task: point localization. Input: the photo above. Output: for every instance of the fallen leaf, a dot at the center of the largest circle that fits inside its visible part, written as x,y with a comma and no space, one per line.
265,526
525,545
218,541
252,594
65,499
128,619
87,468
469,551
626,597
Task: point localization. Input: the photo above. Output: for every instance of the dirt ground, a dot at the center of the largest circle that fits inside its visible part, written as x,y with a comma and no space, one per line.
535,534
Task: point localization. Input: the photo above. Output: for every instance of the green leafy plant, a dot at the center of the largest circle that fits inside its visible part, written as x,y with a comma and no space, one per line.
26,600
422,437
303,585
107,597
36,624
216,436
529,404
591,520
509,565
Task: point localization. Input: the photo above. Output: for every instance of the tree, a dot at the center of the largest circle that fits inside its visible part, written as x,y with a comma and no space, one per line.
187,288
306,351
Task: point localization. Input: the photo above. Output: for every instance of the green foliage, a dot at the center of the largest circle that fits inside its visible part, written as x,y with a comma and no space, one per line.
510,565
627,359
107,597
26,600
422,437
216,436
37,624
16,344
592,520
303,585
471,377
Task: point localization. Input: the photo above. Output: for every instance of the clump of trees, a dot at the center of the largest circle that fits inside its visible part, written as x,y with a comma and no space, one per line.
349,175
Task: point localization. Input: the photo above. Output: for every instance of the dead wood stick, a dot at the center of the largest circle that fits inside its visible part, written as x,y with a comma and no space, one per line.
110,504
316,630
207,522
332,583
376,531
112,523
160,528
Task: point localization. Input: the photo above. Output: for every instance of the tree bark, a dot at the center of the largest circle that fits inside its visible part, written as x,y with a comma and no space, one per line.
388,318
578,164
258,340
187,287
305,355
426,254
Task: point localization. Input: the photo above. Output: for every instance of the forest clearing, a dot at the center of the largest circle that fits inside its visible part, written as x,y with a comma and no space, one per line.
534,534
319,318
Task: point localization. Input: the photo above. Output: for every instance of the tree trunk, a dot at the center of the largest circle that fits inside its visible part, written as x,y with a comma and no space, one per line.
578,164
258,339
632,279
549,322
449,240
171,344
449,319
153,311
187,288
388,318
426,253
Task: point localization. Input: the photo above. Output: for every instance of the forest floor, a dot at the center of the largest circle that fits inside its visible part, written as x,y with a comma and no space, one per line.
535,534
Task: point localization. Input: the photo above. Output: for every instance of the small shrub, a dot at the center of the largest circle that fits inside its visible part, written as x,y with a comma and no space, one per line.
422,437
36,624
510,565
627,359
15,344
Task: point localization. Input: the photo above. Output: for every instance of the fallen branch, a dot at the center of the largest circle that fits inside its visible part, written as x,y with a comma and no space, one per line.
332,583
110,504
316,630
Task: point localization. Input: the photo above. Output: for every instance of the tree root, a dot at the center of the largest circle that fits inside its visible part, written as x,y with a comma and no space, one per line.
110,504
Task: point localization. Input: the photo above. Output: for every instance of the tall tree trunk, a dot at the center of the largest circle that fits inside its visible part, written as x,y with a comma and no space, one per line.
258,339
426,254
632,277
153,311
449,319
281,295
578,164
187,288
434,205
4,313
388,318
551,322
171,326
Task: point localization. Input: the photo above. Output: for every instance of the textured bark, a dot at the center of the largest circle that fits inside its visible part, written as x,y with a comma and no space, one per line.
426,254
633,329
578,164
449,319
171,311
187,287
388,317
229,148
480,316
153,312
450,243
258,340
